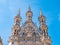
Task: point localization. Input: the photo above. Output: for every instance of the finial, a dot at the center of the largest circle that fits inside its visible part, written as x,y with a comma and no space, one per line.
0,37
29,9
40,12
19,12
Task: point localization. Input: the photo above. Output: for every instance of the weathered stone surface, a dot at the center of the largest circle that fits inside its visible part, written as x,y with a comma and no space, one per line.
29,33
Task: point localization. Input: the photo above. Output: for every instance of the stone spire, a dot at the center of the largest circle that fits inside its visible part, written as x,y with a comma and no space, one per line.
29,9
29,15
42,20
19,12
44,29
41,12
16,27
17,18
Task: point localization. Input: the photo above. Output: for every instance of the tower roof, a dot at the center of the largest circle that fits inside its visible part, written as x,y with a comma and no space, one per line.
29,9
19,12
41,12
18,15
17,18
29,32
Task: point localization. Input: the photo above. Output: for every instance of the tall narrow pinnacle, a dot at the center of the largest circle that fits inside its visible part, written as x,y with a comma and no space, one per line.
17,18
19,12
40,12
29,9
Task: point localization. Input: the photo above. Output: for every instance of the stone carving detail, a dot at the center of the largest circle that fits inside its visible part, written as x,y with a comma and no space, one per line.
29,33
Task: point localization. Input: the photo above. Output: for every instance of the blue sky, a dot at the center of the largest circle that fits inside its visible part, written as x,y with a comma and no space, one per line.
50,8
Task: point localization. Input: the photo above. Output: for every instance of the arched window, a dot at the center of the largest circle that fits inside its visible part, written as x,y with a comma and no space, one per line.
23,33
12,42
34,33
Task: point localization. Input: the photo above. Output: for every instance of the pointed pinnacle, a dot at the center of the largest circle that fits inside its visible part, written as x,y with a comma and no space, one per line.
19,12
29,9
40,12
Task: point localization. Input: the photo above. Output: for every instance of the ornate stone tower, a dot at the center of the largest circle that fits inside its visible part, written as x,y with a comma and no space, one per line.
29,33
16,28
44,30
14,39
29,15
1,41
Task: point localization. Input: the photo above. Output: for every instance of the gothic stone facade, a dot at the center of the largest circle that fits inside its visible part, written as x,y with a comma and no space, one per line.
29,33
